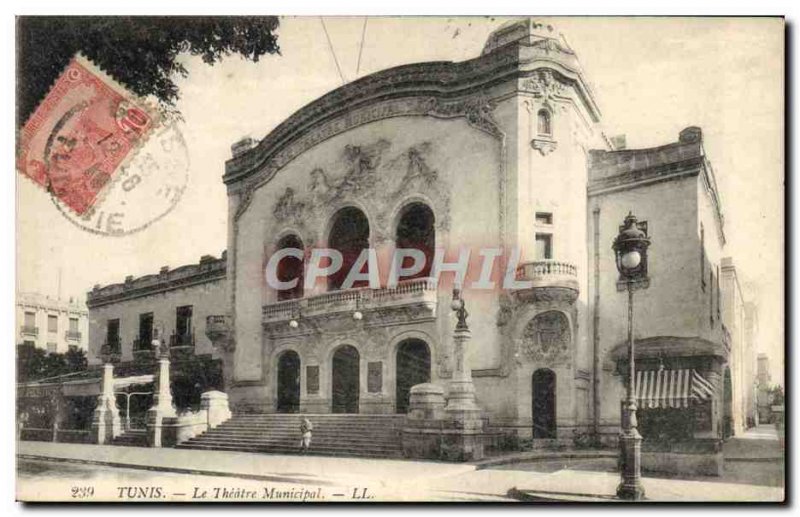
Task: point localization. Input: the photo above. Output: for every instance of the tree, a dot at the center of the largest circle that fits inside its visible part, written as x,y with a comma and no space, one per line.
75,359
776,395
141,52
34,364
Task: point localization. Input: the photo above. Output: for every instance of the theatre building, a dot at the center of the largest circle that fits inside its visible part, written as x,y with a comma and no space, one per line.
503,152
507,151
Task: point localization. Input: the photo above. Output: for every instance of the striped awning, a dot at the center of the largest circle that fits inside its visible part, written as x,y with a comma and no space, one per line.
671,388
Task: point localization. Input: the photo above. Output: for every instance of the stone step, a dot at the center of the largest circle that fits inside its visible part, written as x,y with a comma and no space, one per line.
355,442
294,444
375,436
372,430
277,449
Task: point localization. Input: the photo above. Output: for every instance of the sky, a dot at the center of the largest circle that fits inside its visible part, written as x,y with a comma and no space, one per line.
652,77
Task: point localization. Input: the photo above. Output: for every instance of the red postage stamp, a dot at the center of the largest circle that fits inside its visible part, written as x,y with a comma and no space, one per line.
81,134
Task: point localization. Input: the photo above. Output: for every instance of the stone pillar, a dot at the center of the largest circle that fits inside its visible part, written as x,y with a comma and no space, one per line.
461,391
162,412
106,424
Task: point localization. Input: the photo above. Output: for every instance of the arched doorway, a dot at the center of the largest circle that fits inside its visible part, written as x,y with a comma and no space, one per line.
345,385
413,366
290,268
349,235
289,382
415,230
543,408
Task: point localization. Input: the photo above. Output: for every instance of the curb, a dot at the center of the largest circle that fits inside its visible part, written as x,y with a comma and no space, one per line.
492,462
177,470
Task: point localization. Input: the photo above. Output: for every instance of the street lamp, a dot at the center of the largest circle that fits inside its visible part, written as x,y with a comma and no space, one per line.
630,249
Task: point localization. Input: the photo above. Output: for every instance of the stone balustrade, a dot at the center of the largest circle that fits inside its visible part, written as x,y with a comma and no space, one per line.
349,300
549,279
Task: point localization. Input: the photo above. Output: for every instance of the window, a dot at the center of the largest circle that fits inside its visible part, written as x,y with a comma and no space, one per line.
544,246
52,348
29,343
183,326
30,319
544,125
112,335
145,331
544,218
73,324
52,323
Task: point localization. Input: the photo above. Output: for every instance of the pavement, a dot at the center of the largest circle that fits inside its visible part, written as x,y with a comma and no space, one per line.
571,476
760,443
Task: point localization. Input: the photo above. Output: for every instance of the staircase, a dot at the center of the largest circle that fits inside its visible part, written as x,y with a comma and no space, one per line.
371,436
131,438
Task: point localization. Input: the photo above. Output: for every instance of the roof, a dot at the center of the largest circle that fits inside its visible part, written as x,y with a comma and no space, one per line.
514,51
208,269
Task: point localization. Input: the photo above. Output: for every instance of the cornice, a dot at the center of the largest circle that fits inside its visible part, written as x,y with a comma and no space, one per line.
179,278
433,84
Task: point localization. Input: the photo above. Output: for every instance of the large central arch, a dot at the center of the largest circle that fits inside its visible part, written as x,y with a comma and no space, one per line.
415,230
345,382
413,366
349,235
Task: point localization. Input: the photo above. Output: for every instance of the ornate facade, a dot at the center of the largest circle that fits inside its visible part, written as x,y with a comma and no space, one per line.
490,152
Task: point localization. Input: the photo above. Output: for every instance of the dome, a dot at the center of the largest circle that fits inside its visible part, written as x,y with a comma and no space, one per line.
525,31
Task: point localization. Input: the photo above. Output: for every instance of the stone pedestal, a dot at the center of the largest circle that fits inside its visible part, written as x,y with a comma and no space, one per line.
451,431
162,415
106,423
465,442
215,403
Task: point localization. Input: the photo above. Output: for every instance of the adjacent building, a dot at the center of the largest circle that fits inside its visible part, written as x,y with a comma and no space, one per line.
171,305
52,324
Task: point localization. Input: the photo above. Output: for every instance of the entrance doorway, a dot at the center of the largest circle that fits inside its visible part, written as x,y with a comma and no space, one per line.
289,382
413,367
543,389
345,380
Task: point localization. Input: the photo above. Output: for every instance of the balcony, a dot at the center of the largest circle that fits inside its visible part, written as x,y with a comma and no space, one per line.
410,301
181,343
218,330
72,335
143,350
551,281
218,326
29,330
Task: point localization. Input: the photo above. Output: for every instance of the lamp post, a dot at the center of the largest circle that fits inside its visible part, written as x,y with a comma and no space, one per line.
630,249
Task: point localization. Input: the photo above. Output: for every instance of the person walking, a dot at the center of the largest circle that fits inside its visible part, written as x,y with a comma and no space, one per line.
305,431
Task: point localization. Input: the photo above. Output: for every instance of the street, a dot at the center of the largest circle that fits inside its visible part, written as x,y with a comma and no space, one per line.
753,471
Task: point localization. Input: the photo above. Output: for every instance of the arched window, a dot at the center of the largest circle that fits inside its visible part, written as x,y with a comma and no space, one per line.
544,123
349,235
290,268
415,230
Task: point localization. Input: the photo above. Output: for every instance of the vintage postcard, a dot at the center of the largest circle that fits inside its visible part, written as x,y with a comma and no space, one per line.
400,259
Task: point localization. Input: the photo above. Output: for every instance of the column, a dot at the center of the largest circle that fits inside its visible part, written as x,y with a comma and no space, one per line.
106,423
162,404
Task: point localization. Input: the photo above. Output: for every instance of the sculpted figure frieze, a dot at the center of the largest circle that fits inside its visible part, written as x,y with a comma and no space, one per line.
371,177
